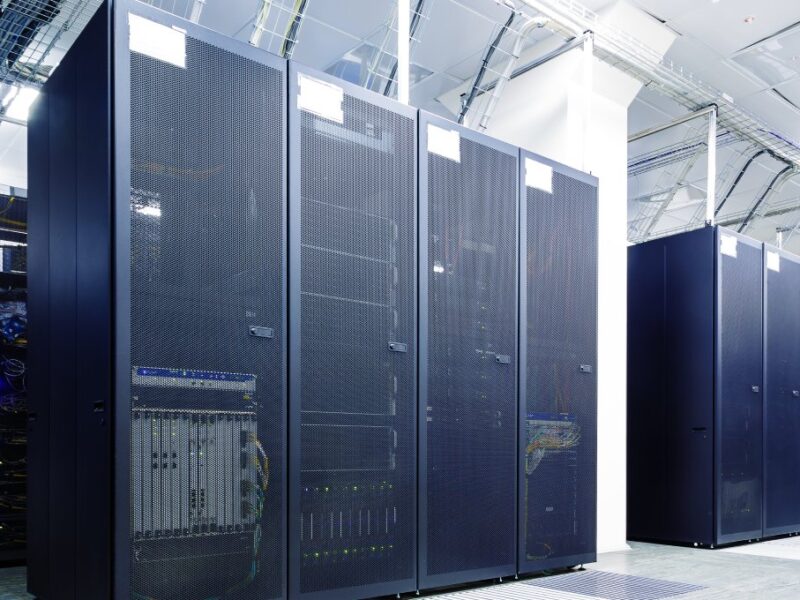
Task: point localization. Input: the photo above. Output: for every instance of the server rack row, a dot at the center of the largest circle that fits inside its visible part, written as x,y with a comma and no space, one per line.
713,389
317,344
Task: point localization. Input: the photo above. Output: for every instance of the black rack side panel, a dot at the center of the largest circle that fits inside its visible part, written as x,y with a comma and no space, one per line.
207,318
38,379
739,410
71,293
468,406
781,392
353,356
670,390
558,413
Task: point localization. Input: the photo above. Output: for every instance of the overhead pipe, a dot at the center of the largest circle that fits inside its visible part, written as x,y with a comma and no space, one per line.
574,42
260,23
197,10
290,39
742,172
485,64
776,184
415,21
535,23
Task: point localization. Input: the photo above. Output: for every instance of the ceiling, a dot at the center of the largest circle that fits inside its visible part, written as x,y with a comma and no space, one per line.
755,62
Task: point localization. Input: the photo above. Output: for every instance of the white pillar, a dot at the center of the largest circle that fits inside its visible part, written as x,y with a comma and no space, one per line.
403,49
564,111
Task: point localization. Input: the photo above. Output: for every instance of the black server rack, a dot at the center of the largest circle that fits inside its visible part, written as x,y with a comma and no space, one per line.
695,383
781,392
468,355
353,293
158,169
558,376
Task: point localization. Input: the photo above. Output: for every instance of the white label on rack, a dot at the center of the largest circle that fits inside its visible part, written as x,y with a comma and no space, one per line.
728,245
321,98
444,142
774,261
167,44
538,175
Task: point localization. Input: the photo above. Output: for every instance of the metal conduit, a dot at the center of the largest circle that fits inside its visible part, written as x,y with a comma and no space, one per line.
484,66
739,177
294,27
783,176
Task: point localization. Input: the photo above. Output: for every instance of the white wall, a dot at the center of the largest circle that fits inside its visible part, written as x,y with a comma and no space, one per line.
544,111
13,155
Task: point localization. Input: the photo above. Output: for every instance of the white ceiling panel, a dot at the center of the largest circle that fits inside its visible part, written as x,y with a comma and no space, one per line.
722,25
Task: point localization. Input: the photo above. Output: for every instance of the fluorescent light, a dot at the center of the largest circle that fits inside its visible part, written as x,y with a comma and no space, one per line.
18,104
166,44
150,211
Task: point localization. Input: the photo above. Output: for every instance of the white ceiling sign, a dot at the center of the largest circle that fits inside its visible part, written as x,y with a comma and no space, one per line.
728,245
444,142
321,98
774,261
538,176
167,44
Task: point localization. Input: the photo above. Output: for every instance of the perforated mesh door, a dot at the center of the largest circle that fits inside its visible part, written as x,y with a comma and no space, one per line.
356,521
207,231
739,394
559,435
782,394
472,362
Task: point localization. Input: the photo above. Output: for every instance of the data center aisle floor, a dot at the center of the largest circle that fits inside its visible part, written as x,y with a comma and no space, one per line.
12,584
660,572
646,572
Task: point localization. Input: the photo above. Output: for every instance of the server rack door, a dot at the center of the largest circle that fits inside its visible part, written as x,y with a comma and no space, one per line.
207,325
739,388
781,392
558,412
353,365
468,229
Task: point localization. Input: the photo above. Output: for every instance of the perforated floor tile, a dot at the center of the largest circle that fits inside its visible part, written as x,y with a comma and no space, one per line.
614,586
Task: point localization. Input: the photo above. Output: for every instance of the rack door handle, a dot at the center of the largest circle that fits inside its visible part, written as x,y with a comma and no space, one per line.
262,332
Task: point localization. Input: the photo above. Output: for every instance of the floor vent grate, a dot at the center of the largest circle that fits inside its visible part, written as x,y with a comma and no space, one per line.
613,586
